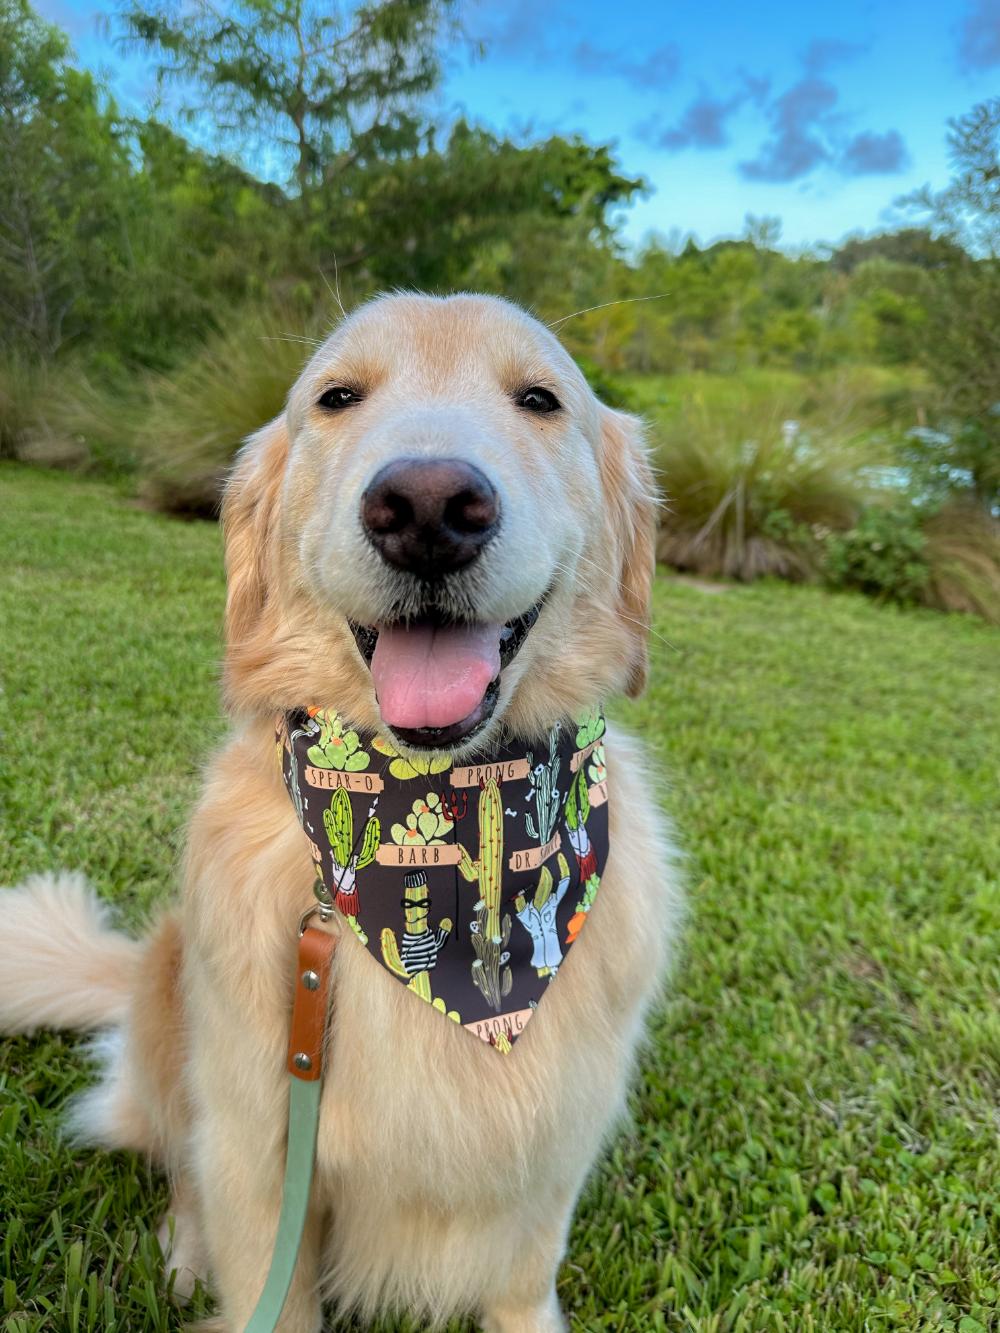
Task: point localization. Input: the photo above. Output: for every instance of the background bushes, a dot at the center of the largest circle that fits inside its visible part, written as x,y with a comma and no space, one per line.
832,416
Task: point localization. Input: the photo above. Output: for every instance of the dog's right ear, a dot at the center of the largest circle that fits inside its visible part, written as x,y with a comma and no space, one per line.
249,522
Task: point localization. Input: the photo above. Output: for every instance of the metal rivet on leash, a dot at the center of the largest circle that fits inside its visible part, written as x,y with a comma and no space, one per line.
310,980
302,1061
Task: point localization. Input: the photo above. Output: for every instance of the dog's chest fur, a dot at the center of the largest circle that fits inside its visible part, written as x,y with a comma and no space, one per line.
431,1143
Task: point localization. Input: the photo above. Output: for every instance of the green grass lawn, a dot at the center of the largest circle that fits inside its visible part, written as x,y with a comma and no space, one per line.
815,1135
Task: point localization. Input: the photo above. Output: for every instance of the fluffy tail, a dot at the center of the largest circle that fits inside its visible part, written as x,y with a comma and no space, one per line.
61,963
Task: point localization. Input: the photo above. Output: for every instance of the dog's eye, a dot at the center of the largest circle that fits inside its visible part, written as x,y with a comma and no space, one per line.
338,397
537,399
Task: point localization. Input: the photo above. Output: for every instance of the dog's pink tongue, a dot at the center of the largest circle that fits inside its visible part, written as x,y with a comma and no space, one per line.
433,676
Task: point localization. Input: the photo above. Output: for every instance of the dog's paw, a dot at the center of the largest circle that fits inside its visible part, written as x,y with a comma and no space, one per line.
180,1244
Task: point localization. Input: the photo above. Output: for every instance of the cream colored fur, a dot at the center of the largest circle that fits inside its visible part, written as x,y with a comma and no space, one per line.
446,1172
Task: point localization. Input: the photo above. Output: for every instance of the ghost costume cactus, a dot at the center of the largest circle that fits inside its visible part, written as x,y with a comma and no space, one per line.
539,919
542,779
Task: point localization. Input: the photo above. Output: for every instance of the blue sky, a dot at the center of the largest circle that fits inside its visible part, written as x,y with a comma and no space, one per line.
821,115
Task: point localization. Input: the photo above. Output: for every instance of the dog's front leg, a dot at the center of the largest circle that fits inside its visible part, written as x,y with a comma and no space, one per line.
240,1185
240,1090
522,1317
530,1303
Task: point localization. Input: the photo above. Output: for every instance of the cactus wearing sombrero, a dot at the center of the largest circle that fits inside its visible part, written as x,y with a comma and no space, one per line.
490,933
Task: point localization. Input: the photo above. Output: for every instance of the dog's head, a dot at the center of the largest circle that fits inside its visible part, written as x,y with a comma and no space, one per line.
445,532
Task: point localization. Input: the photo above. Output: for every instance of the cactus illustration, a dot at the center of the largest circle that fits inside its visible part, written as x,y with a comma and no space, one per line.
490,934
597,769
539,918
348,859
542,779
335,747
575,814
426,824
589,728
415,767
418,956
310,728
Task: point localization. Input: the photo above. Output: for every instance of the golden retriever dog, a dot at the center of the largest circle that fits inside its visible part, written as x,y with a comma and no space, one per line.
446,1171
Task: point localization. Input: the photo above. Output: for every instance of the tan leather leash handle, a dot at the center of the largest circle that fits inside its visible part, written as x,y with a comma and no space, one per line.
305,1065
309,1013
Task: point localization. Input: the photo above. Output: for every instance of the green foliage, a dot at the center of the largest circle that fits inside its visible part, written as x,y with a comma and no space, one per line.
751,493
22,386
330,85
915,247
968,208
812,1143
962,353
882,555
198,416
483,212
963,558
149,287
62,172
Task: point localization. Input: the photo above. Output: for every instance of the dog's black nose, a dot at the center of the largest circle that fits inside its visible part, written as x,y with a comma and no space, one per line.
430,515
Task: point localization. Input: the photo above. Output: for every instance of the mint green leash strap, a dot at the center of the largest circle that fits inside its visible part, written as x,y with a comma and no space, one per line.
303,1121
306,1043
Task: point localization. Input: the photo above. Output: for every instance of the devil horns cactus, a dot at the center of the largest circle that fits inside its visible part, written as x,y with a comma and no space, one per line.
490,934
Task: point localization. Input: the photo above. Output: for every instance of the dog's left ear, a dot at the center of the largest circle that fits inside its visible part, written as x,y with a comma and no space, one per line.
249,520
633,507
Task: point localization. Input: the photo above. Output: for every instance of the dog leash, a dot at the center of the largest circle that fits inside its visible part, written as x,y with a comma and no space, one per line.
305,1067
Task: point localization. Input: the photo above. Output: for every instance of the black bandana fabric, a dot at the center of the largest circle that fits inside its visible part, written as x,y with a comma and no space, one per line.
469,882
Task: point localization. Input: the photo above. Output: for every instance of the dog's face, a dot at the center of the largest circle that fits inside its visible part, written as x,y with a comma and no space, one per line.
444,533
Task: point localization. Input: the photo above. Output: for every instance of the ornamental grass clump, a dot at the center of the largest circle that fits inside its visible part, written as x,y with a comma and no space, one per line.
755,493
200,413
962,551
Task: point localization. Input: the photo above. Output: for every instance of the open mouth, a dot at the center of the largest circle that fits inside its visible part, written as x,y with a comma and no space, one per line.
437,681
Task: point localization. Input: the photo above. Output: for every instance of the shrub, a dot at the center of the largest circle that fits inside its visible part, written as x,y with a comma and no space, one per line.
608,387
59,415
883,555
963,558
22,388
199,415
753,493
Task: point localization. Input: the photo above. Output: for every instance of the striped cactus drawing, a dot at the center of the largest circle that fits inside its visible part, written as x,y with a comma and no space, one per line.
414,962
490,933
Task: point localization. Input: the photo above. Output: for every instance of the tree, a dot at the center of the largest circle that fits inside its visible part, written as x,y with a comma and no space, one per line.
337,86
963,345
962,352
481,210
916,246
62,166
968,209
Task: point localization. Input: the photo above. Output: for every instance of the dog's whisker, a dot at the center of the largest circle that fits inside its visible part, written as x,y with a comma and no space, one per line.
557,324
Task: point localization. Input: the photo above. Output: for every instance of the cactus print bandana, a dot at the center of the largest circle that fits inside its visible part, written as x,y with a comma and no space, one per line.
469,882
